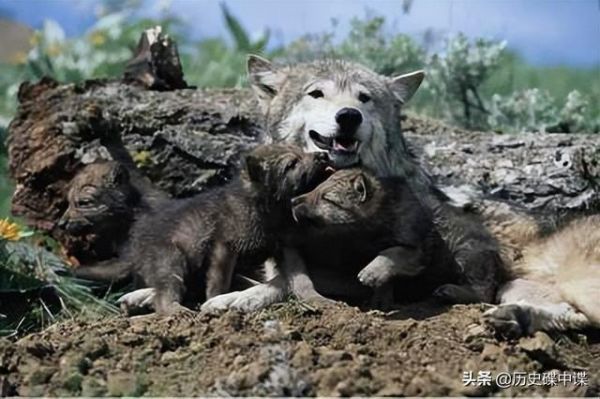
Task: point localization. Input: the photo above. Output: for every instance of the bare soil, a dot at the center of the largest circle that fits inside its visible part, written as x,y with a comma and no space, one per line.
290,349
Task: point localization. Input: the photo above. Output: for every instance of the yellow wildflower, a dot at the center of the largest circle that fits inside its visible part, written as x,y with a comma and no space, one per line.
54,50
35,39
9,231
142,158
18,58
97,38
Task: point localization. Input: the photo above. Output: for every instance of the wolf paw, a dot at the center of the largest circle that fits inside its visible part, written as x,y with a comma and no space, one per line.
376,273
219,303
252,299
137,300
511,321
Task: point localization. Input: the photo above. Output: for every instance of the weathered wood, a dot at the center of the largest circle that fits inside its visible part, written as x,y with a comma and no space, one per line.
156,63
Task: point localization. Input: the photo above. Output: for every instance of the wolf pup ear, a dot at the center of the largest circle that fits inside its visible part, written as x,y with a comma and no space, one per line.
264,78
404,86
361,187
254,168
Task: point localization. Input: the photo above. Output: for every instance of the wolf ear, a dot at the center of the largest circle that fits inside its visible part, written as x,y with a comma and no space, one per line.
404,86
254,168
265,79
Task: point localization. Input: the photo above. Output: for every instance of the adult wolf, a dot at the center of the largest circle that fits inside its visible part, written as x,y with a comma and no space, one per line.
353,114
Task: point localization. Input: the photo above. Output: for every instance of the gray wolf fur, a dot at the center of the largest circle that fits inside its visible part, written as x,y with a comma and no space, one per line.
555,282
402,234
204,238
345,110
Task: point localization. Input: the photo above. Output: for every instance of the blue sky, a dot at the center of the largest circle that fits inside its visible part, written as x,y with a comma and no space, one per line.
544,32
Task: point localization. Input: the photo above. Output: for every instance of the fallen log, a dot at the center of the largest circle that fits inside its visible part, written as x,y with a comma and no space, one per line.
188,140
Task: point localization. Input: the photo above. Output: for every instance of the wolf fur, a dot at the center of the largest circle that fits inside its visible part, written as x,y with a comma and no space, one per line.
556,282
185,242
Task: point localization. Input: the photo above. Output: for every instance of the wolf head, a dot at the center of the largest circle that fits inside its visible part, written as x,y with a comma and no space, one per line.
337,107
349,197
101,199
283,171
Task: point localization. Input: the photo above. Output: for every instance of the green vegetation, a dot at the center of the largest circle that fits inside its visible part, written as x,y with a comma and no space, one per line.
36,289
477,84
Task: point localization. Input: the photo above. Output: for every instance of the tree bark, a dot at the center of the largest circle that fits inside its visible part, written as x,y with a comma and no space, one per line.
188,140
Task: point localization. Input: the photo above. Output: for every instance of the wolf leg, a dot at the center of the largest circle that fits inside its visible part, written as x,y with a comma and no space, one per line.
169,281
518,319
527,306
480,271
453,293
392,262
299,282
220,270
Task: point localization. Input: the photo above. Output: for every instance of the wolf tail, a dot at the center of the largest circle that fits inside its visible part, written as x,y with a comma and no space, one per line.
109,271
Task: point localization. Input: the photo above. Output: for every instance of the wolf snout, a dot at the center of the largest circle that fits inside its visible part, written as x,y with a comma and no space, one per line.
348,119
322,158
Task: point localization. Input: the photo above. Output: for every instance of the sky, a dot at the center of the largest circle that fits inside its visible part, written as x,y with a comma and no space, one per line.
544,32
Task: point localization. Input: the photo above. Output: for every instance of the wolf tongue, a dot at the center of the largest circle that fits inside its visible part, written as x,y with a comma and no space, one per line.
344,145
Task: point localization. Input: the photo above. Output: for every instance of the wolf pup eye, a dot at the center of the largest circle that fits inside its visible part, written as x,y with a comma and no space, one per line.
364,98
85,202
316,94
291,165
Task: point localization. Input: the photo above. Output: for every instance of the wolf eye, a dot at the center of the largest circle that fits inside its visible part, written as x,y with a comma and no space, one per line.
316,94
364,98
84,202
290,165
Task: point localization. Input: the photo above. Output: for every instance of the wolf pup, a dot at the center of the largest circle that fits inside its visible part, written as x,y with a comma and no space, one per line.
401,233
104,200
206,236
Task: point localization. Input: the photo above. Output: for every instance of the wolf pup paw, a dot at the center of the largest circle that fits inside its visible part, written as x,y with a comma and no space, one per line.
510,321
377,273
137,301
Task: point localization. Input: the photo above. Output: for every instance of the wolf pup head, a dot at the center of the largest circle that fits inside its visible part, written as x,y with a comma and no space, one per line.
284,170
101,198
341,108
348,197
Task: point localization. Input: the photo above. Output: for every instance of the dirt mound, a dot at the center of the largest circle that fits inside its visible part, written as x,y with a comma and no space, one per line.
291,349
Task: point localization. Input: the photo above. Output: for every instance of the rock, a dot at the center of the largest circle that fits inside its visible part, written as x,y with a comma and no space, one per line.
542,348
123,384
328,357
93,387
490,352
